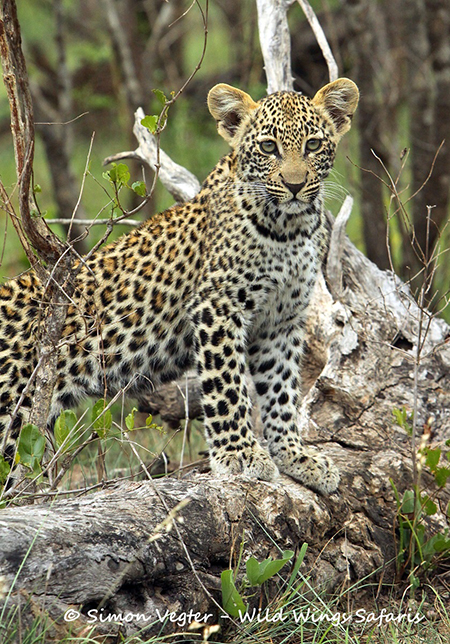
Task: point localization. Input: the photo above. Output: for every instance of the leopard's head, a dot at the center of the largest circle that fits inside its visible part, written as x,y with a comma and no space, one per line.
285,143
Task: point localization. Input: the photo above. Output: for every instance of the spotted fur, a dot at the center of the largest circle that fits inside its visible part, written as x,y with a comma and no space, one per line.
215,284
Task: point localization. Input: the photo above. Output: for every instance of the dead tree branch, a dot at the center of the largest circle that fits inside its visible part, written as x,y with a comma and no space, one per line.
181,183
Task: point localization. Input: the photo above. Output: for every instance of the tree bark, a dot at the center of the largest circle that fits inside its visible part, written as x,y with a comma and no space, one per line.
360,366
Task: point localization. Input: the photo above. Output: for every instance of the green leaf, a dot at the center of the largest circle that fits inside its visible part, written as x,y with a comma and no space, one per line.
402,417
432,458
31,447
253,569
139,188
441,475
37,188
129,420
428,505
414,581
150,122
298,563
119,174
64,427
5,469
160,96
122,174
149,422
101,418
439,543
232,602
258,573
408,502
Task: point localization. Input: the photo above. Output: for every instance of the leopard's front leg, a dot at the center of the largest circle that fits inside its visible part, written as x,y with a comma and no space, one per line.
275,363
220,347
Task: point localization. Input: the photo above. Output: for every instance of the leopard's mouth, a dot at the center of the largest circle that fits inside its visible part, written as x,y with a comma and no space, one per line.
293,206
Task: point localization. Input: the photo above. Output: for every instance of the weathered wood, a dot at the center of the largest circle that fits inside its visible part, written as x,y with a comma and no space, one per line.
182,184
97,548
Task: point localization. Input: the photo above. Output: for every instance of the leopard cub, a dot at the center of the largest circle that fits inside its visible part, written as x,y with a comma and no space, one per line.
215,284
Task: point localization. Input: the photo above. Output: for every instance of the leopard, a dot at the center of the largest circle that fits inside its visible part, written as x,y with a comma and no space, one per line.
220,285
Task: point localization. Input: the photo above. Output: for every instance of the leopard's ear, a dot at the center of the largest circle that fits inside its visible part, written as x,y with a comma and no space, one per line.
229,106
338,100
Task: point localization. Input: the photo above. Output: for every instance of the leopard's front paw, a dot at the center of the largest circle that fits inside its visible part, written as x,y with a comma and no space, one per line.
252,461
309,466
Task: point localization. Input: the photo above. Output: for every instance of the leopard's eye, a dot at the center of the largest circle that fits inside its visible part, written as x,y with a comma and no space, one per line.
312,145
268,146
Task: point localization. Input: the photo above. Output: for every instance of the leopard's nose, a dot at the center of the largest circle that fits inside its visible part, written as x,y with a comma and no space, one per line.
294,187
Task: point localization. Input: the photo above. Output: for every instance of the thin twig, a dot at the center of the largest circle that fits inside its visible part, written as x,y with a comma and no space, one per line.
95,222
321,39
69,122
83,181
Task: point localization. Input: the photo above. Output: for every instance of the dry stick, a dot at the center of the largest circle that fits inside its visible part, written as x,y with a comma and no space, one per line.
393,187
275,42
429,268
321,39
80,194
276,46
8,208
421,254
336,248
95,222
186,420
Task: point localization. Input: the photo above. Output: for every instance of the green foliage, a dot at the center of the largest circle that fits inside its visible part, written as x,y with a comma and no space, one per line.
66,436
30,448
139,188
257,573
155,123
101,418
403,419
119,177
5,469
416,548
432,460
232,601
150,122
130,422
